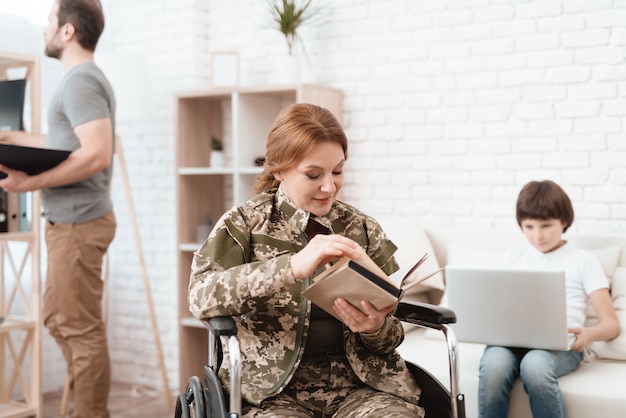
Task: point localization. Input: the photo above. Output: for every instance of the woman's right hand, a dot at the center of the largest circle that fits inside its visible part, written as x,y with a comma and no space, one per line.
321,250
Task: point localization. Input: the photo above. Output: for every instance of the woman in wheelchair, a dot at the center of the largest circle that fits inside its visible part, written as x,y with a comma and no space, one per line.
297,360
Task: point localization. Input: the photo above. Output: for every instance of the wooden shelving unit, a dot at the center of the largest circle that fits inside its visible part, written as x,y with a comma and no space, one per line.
20,281
241,118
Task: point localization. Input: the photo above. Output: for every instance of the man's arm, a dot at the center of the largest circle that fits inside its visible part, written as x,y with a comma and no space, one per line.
94,155
22,138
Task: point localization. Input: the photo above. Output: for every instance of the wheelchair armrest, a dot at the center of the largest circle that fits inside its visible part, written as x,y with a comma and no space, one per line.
424,313
221,326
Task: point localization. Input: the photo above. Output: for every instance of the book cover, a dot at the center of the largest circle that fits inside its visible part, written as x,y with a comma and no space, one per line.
360,280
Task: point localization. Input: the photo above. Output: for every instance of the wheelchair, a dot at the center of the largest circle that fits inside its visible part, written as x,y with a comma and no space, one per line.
206,399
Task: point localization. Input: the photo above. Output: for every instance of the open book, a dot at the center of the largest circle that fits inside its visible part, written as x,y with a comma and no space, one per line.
361,280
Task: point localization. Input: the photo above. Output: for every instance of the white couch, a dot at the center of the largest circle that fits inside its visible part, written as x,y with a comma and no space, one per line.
596,389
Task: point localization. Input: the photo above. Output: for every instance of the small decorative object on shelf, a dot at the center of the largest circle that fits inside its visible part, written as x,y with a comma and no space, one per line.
217,152
259,161
224,69
204,229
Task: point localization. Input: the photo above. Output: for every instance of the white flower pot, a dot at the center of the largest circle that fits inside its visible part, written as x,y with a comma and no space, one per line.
217,159
287,70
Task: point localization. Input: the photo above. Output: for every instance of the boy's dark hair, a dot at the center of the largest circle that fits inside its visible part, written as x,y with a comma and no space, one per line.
544,200
87,18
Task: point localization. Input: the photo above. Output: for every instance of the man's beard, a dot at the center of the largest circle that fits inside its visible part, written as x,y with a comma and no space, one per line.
53,51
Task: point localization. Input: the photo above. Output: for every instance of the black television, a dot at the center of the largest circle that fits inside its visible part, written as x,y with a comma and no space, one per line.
12,95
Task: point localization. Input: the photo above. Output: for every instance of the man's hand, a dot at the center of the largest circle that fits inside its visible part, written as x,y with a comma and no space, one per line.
15,181
22,138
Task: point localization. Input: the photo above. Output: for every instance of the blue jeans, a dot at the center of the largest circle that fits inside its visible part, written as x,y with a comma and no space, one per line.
539,371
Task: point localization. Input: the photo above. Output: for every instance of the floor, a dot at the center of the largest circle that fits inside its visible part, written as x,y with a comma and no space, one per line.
125,401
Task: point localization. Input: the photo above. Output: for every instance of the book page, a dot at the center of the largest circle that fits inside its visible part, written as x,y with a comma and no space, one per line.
365,261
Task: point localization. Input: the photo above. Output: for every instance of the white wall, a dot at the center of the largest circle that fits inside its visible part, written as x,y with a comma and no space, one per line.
450,107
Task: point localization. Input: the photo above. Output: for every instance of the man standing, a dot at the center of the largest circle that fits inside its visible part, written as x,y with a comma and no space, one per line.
76,201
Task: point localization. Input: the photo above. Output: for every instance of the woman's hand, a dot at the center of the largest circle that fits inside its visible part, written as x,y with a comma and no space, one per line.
366,319
319,251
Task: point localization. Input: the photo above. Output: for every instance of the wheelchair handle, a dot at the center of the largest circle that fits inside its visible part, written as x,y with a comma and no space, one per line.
221,326
424,314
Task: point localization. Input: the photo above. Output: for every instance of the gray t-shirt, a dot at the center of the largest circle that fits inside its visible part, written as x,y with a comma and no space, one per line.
83,95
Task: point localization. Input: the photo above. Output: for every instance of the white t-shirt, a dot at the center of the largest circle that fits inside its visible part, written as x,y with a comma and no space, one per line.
583,273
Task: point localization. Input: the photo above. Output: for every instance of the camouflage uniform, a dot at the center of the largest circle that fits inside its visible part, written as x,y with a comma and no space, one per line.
243,270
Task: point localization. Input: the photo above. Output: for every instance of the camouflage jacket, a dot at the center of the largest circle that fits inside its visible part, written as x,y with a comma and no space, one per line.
243,270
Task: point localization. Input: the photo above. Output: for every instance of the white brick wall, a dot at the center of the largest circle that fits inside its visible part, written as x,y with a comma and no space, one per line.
450,106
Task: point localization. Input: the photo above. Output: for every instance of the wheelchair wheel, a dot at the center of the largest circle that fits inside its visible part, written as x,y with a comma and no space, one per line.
192,403
182,407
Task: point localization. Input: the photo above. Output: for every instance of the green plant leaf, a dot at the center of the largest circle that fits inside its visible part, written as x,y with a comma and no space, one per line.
216,144
288,16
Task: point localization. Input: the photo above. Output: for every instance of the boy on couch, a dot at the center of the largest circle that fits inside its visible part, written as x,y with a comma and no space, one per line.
544,213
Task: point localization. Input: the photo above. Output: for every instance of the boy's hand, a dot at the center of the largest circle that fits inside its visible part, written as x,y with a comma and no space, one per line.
582,338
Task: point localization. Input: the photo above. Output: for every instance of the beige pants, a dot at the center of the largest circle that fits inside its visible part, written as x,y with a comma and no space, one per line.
73,308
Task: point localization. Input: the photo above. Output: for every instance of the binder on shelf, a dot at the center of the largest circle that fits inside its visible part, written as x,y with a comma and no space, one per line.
12,94
4,211
25,215
13,212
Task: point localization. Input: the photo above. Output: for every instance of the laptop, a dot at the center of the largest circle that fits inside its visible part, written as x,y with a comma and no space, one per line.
512,308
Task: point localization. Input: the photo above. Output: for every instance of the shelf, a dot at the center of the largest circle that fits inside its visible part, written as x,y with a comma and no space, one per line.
15,410
204,171
251,170
191,322
20,282
17,236
189,246
13,323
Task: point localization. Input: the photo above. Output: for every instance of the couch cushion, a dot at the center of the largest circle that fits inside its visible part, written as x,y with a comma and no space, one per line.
616,348
412,242
459,254
608,258
470,256
594,390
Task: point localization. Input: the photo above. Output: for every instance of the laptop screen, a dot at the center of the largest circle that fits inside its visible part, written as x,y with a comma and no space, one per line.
506,307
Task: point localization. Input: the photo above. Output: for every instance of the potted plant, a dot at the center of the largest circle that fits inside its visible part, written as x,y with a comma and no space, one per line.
217,152
288,16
